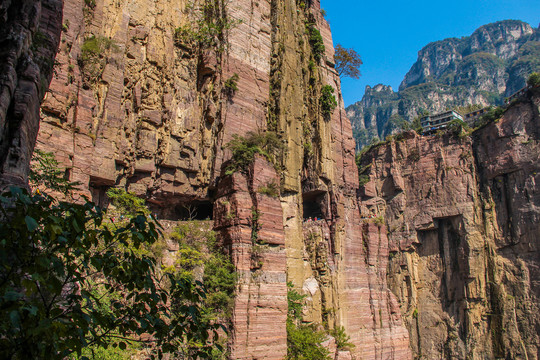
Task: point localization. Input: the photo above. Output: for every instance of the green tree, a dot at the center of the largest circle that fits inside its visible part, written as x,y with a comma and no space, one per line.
127,203
67,283
45,171
347,62
303,340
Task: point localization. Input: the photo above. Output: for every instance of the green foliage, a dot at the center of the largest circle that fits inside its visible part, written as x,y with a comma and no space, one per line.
379,220
459,128
209,27
342,339
90,3
363,180
127,203
316,41
347,62
328,101
534,80
67,282
200,254
93,57
45,171
231,84
244,149
271,189
295,303
303,341
493,114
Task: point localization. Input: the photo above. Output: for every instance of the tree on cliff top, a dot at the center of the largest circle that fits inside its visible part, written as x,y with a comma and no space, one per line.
347,62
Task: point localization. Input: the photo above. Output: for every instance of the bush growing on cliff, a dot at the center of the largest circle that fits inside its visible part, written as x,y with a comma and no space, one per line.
328,101
93,57
200,256
45,171
127,203
303,340
268,144
316,41
534,80
493,114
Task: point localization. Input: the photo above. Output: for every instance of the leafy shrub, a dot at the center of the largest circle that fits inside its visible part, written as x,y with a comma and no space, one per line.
493,114
379,221
303,340
328,101
271,189
45,171
93,57
127,203
231,84
77,283
208,28
200,254
316,41
363,180
244,149
534,80
342,339
90,3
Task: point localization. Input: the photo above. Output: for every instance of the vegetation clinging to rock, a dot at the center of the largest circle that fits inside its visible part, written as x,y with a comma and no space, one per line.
268,144
328,101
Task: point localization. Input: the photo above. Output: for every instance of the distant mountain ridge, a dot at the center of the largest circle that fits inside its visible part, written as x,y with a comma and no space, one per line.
483,68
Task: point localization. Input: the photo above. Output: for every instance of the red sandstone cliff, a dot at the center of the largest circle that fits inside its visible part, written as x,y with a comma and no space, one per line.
150,111
462,216
29,34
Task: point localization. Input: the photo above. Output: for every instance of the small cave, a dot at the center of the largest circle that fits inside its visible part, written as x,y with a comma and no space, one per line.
194,210
314,205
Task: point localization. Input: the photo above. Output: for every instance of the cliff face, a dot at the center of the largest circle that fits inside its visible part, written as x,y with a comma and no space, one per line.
147,97
29,35
493,63
462,216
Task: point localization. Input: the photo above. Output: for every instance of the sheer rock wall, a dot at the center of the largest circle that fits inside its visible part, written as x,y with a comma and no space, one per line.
152,112
29,38
462,217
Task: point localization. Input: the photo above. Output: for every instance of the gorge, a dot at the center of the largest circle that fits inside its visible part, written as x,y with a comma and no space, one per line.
435,255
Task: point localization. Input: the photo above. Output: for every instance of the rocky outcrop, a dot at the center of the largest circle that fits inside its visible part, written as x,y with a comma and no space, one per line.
493,63
463,233
148,97
29,35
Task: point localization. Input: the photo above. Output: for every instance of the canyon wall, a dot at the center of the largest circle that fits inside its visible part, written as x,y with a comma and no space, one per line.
462,216
147,96
29,38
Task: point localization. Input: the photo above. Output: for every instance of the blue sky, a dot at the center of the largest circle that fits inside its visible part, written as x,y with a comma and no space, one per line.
389,33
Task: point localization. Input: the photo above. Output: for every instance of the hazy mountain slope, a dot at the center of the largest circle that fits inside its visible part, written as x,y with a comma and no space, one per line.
483,68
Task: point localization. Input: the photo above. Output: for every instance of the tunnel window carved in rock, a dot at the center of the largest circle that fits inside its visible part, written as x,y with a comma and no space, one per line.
315,205
195,210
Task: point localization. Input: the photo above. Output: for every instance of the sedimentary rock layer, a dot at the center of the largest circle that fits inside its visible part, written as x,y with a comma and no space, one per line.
146,100
29,35
462,216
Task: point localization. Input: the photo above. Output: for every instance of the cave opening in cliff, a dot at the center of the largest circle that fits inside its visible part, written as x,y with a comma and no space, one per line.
314,204
195,210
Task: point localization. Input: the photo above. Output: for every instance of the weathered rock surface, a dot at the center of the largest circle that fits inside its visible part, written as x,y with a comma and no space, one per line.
29,35
151,111
462,216
493,63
